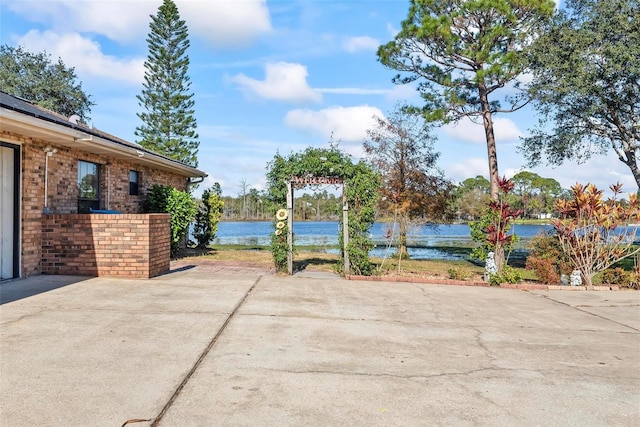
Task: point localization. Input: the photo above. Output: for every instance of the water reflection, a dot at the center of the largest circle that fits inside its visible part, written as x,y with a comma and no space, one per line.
414,253
324,235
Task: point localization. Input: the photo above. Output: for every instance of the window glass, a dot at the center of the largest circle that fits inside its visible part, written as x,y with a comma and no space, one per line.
88,186
134,180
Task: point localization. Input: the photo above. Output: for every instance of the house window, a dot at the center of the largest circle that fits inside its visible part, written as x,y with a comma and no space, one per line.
88,186
134,181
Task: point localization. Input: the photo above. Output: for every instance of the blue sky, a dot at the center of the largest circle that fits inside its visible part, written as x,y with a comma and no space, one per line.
268,77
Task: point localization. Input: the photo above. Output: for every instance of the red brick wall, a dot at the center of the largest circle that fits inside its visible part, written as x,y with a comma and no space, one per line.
63,179
136,246
63,188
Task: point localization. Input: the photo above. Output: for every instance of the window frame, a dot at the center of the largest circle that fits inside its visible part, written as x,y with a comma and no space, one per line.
134,186
87,204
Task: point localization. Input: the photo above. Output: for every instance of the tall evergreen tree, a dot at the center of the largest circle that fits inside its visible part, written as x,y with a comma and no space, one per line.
169,125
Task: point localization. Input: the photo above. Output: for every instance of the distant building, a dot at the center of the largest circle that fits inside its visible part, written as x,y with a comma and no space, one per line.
543,216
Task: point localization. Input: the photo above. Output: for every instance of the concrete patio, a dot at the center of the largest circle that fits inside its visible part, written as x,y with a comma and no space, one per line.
206,346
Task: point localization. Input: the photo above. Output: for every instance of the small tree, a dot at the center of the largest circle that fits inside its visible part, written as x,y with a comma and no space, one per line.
51,85
400,148
493,229
594,232
209,214
179,204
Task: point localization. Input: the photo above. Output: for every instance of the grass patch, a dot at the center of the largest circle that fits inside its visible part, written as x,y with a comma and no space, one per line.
428,268
315,261
316,258
254,255
238,247
531,221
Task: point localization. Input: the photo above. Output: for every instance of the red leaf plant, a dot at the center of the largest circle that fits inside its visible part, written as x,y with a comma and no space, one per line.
596,233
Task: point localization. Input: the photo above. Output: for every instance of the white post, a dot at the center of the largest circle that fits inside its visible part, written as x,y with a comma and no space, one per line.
290,228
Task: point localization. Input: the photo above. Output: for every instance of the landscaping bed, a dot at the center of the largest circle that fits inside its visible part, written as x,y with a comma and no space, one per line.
444,272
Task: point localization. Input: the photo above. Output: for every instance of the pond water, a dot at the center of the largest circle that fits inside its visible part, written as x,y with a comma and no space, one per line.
325,233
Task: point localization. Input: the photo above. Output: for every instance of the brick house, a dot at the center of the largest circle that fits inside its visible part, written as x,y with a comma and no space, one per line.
61,183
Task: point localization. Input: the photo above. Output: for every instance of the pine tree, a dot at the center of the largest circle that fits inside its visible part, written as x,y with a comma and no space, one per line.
461,54
169,125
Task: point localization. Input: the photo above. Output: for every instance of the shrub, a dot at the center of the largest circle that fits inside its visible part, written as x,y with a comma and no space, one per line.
178,204
592,230
506,275
156,200
618,276
358,248
457,274
545,270
208,216
547,259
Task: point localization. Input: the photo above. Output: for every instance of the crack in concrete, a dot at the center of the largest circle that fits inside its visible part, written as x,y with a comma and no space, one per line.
144,311
398,376
24,316
588,312
341,319
204,354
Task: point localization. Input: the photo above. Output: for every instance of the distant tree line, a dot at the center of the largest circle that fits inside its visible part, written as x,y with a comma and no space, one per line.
467,201
254,205
533,194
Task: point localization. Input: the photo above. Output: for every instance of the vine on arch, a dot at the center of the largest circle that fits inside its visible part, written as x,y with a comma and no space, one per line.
361,185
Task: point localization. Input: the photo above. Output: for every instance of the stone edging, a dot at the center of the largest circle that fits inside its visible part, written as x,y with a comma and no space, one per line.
521,286
409,279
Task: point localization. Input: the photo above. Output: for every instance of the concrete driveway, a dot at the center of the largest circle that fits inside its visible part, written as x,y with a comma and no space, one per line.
212,346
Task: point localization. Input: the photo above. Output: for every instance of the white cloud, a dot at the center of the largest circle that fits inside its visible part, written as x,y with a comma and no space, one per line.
84,55
601,171
225,23
405,92
354,44
509,172
467,168
393,31
283,81
353,91
348,124
218,22
525,79
117,20
505,130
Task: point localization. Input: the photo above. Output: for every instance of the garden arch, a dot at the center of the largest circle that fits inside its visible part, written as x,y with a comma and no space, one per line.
319,166
305,181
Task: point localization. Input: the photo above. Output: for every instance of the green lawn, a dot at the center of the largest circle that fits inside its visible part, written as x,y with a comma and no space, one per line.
316,258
